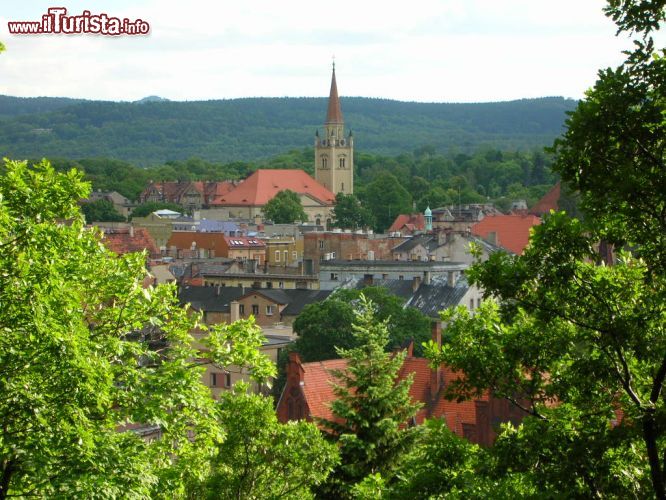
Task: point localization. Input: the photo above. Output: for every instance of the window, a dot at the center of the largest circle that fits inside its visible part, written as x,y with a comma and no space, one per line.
241,309
342,162
255,309
342,186
324,162
321,244
277,255
213,379
478,302
401,277
227,379
269,284
334,276
269,310
294,255
281,284
471,304
285,254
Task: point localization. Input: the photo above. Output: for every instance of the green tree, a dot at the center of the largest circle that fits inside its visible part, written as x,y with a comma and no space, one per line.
568,327
348,213
263,458
371,407
87,352
101,211
285,208
148,208
386,198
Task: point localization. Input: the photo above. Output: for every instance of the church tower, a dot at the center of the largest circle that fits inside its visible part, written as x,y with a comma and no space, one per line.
334,153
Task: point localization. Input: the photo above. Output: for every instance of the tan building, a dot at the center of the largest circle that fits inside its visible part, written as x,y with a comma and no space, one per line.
284,251
334,153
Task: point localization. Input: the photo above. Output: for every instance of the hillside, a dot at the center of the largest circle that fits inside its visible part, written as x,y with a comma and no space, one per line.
153,132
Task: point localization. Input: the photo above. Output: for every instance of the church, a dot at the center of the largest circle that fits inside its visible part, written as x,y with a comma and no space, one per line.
334,173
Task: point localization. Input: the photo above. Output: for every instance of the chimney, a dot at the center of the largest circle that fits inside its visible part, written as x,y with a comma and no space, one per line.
426,277
131,231
235,311
491,238
416,283
436,373
295,372
451,278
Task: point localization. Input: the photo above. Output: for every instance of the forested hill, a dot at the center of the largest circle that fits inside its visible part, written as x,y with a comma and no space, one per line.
152,132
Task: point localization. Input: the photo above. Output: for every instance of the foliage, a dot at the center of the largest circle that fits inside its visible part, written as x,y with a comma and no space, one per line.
149,207
348,213
324,326
284,208
262,458
371,407
101,211
222,131
86,350
578,338
386,198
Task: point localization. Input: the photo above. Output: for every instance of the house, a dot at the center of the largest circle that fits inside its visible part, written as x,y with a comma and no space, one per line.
442,246
320,246
122,205
308,394
205,244
461,217
511,232
408,224
122,240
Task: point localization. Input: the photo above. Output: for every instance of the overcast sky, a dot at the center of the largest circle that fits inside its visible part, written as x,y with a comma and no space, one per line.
425,50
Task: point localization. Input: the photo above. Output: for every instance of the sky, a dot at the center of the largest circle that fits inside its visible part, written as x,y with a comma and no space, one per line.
426,50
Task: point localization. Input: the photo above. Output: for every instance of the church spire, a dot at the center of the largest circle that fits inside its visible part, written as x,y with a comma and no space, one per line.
334,114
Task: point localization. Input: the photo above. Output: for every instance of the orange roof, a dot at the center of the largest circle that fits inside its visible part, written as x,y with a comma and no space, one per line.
183,240
318,392
334,114
550,201
512,231
220,190
411,221
264,184
128,240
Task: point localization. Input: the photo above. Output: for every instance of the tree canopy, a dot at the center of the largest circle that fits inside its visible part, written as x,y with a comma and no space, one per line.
89,357
101,211
348,213
578,334
284,208
371,407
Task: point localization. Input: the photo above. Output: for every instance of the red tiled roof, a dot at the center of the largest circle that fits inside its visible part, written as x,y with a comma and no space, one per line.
183,240
318,391
512,231
550,201
219,191
264,184
317,386
410,221
121,241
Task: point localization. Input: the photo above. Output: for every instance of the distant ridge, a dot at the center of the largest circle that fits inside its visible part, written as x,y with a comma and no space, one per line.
254,128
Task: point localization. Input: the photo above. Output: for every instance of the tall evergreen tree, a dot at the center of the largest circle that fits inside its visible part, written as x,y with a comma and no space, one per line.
371,409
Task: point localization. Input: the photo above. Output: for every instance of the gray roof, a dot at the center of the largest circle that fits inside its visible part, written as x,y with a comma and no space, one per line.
210,299
438,296
429,299
427,241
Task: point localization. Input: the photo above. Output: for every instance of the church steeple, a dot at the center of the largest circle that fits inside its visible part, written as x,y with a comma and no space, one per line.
334,153
334,114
